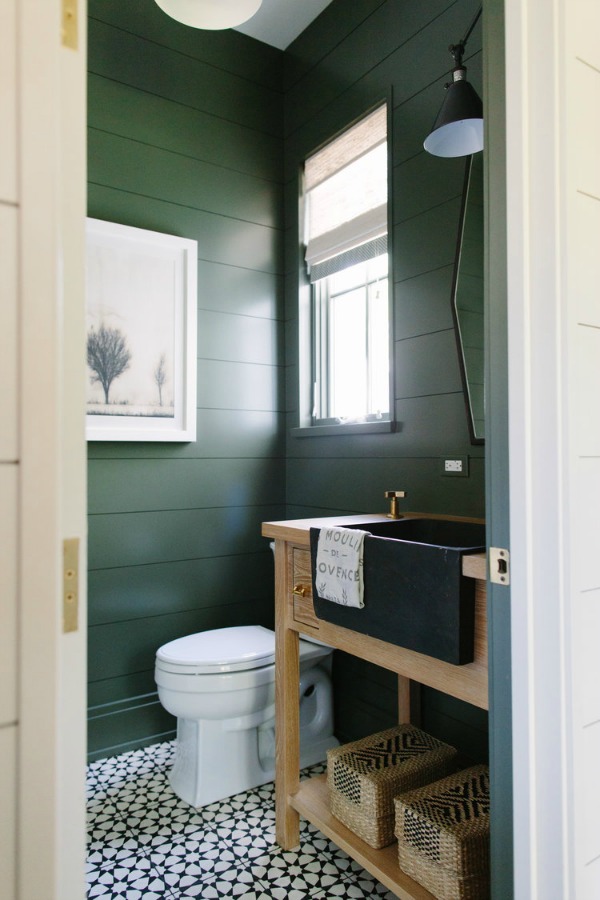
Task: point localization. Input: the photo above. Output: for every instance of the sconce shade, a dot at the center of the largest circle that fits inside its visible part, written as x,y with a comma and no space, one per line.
458,129
210,14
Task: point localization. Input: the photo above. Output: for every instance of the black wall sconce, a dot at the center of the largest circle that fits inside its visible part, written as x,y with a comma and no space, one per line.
458,128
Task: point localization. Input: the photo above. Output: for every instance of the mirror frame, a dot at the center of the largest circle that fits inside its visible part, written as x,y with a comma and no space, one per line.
455,282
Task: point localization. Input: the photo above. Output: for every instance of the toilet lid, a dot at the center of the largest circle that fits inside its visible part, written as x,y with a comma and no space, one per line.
234,649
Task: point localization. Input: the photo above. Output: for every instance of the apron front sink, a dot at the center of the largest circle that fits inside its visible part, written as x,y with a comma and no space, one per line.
414,591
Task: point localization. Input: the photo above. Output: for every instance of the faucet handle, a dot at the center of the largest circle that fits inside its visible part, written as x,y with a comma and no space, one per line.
393,497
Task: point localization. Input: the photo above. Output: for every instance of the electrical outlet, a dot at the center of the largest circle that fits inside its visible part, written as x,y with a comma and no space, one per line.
456,465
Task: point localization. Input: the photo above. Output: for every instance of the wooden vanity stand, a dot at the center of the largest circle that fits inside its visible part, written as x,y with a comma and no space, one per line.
294,615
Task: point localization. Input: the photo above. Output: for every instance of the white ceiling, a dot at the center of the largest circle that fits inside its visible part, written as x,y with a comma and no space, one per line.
278,22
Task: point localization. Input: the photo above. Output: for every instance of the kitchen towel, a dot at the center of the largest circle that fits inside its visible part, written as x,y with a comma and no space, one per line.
339,568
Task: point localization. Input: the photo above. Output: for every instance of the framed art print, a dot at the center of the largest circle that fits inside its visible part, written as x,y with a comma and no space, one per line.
141,334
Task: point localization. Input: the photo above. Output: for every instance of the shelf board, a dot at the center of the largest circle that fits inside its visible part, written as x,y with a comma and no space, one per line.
312,802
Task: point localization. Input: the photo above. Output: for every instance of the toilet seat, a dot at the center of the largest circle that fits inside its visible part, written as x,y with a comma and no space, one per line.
239,648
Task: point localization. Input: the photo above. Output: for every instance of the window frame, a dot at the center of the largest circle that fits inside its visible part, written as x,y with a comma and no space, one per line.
308,425
322,352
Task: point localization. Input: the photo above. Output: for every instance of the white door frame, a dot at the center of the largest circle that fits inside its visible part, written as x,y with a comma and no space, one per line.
52,453
553,212
537,494
52,450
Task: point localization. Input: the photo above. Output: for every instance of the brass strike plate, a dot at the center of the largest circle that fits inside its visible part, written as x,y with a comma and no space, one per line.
69,24
70,584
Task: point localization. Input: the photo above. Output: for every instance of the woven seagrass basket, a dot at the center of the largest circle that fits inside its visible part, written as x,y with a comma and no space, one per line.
443,833
364,777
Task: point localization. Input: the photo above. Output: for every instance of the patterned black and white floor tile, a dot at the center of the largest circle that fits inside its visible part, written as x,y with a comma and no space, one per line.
146,844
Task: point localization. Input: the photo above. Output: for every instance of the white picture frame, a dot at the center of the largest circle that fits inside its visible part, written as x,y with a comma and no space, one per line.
141,297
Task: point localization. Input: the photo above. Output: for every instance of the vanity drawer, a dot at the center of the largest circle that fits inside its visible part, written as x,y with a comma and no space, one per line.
303,609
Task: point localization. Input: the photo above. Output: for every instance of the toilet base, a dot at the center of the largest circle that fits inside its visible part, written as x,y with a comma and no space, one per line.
226,723
212,762
311,752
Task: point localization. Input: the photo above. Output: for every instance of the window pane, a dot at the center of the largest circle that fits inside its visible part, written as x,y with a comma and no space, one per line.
353,373
378,267
347,279
379,348
359,274
348,355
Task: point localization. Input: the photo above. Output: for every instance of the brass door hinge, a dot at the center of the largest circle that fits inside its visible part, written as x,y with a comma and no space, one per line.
70,584
69,24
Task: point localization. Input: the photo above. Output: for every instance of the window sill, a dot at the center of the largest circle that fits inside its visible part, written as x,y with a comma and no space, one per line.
382,427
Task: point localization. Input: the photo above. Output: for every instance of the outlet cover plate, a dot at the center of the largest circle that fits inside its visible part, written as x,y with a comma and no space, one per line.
455,466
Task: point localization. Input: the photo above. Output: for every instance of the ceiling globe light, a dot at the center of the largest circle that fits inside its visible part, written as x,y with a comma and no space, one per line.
210,14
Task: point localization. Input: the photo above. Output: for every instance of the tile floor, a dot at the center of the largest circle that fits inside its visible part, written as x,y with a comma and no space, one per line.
146,844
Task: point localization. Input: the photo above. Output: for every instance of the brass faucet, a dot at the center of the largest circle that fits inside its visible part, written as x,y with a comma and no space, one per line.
393,497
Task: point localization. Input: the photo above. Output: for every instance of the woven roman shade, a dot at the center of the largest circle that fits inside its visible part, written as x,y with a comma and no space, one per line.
345,194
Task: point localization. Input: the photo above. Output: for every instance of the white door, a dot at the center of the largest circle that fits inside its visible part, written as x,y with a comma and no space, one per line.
42,448
553,180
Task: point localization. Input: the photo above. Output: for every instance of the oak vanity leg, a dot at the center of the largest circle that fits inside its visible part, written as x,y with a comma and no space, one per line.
287,712
409,701
403,699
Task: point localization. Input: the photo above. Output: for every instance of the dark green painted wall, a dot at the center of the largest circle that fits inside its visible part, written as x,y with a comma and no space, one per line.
185,137
202,134
354,55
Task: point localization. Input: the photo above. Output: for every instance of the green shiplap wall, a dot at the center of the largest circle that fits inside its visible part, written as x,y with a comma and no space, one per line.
185,137
352,57
202,134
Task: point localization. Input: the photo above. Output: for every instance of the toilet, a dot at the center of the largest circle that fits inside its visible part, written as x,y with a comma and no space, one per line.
220,685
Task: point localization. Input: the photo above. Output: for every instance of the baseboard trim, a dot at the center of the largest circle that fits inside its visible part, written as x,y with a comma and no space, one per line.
127,724
117,749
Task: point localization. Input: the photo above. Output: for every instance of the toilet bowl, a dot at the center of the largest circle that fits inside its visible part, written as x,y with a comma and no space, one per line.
220,685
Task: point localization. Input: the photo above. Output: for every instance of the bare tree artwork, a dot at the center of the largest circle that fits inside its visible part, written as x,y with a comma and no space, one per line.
160,377
107,356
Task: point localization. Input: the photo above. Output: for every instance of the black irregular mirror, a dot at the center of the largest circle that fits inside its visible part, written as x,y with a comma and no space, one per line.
467,296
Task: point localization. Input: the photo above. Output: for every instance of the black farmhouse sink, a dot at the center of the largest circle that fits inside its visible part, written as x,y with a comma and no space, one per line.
414,591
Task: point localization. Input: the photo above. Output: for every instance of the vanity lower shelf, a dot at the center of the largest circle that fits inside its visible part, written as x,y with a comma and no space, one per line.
312,802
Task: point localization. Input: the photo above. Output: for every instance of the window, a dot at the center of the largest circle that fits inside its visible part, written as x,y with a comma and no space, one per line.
345,219
351,319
